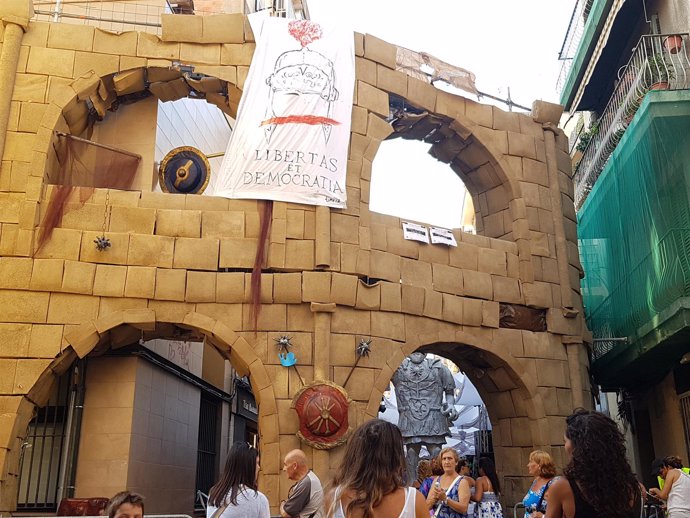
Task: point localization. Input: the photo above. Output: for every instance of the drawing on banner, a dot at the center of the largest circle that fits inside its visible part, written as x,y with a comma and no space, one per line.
293,127
415,232
442,236
300,73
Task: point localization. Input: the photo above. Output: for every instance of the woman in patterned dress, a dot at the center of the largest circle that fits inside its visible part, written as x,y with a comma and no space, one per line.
487,490
450,493
541,467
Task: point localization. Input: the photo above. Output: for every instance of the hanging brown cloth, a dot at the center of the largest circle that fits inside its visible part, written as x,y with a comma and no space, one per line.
89,165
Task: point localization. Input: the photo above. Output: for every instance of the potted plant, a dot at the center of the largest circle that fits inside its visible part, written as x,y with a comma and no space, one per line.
673,43
658,72
587,136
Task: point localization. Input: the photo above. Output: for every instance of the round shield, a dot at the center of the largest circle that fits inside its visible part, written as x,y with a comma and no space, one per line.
322,408
184,170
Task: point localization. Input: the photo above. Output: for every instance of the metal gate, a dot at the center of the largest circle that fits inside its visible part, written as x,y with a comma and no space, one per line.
45,450
208,443
685,415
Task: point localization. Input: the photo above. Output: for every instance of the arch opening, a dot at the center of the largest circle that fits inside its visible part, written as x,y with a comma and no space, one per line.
154,414
512,409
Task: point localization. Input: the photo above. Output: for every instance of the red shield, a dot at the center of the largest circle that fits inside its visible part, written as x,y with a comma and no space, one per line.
322,408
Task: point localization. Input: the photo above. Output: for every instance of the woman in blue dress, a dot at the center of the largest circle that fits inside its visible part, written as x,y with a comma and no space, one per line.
542,468
450,493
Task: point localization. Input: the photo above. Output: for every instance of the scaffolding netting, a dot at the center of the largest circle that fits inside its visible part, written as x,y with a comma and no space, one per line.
634,227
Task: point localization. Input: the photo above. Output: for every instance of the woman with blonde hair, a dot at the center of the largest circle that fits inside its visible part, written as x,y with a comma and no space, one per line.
449,496
542,468
371,480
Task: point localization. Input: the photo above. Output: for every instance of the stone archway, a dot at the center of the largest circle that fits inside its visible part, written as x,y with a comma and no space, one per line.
96,336
508,383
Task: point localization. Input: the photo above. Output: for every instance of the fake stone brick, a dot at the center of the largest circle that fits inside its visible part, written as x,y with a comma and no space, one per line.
385,266
112,43
70,36
380,51
230,287
452,308
54,62
507,289
521,145
316,286
421,93
101,64
146,250
15,272
237,54
223,28
178,223
416,273
299,254
237,253
30,88
344,289
180,28
196,254
132,220
391,81
287,288
266,295
78,277
447,279
170,284
151,46
471,312
47,274
30,116
201,287
477,284
140,282
368,297
109,281
72,309
391,296
372,98
115,254
64,244
398,245
413,299
217,224
492,261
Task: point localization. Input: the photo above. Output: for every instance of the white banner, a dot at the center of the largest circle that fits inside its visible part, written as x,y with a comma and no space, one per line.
293,128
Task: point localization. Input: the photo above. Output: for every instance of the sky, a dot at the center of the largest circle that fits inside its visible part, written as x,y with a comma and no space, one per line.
505,43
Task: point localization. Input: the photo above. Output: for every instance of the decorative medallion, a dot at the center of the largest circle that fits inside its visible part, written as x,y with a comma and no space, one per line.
322,408
184,170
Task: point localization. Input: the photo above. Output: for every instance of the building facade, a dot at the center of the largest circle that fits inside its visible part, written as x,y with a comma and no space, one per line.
626,66
178,268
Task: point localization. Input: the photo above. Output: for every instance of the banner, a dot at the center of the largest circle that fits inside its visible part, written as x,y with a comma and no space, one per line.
293,127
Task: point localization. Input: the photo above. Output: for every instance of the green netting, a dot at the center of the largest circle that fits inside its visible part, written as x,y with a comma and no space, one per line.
634,227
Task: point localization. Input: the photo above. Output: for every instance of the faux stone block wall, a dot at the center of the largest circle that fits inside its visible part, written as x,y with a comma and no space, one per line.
168,252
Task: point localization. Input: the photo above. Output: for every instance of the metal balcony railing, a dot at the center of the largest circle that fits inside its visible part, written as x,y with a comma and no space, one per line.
658,62
573,36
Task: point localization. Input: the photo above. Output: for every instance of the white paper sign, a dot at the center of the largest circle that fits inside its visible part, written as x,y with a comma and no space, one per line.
293,127
415,232
442,236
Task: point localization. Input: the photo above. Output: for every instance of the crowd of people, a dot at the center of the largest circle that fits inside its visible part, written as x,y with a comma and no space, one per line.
371,481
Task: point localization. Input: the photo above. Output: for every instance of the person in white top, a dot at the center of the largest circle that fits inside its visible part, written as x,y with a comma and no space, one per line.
676,489
236,495
371,481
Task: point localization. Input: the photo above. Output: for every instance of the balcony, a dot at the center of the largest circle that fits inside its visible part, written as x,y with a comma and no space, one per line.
658,62
634,240
573,37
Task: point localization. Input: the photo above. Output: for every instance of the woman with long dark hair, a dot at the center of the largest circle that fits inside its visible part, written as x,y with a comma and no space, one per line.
598,480
371,480
487,490
235,495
